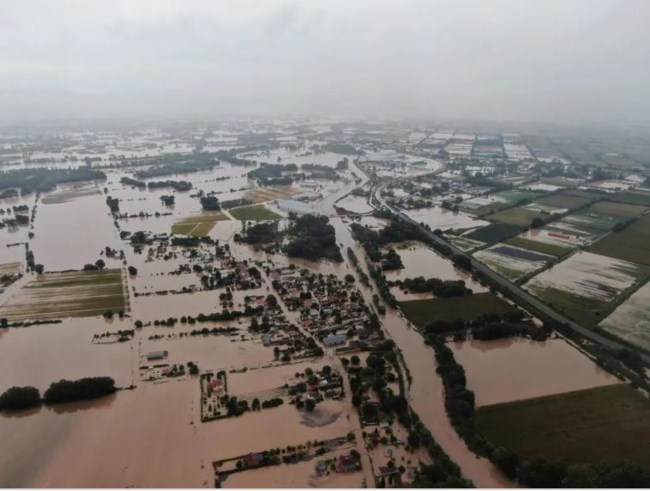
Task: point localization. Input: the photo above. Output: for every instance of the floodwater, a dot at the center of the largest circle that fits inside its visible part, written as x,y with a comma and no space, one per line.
427,400
73,233
40,355
588,275
298,475
631,320
512,369
149,437
420,260
438,217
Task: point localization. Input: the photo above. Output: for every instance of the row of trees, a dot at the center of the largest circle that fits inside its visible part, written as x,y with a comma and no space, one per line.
460,406
17,398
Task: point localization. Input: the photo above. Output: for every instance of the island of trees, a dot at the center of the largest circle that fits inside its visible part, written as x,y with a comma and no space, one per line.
17,398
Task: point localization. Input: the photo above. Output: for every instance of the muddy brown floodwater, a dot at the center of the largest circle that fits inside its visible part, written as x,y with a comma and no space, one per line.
513,369
426,392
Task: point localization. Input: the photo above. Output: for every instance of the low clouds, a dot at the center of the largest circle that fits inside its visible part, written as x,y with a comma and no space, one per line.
555,60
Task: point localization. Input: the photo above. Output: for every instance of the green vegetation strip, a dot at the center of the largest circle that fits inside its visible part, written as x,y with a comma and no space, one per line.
630,244
537,246
607,423
421,312
254,213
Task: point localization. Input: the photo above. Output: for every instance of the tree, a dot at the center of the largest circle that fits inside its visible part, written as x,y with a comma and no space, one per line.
39,268
536,222
349,278
16,398
133,271
100,264
271,301
355,360
310,405
540,473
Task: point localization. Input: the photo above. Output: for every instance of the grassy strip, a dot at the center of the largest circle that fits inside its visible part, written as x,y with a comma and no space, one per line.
630,244
537,246
421,312
606,423
254,213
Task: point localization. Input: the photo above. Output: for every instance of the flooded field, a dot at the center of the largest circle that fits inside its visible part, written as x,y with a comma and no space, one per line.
631,320
443,219
531,369
73,294
355,204
420,260
584,283
512,262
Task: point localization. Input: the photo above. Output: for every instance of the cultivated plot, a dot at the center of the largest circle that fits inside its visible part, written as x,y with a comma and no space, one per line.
630,244
585,284
254,213
260,195
607,423
631,320
70,294
421,312
198,225
512,262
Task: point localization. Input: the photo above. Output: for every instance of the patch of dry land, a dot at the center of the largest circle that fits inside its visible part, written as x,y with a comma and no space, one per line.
198,225
69,294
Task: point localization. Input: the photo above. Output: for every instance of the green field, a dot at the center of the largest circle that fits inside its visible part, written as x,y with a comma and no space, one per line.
634,197
505,200
421,312
254,213
495,232
562,200
198,225
630,244
620,210
607,423
520,216
70,294
538,246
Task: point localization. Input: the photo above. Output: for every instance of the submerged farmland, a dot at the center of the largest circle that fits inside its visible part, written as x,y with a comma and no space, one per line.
585,284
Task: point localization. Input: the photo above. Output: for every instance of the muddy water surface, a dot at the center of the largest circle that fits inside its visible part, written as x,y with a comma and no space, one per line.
513,369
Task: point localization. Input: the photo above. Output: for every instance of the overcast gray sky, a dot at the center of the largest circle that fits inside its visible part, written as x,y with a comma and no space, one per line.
562,60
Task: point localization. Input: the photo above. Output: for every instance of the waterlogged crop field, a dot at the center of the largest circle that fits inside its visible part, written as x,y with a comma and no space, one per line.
260,195
254,213
71,294
588,426
198,225
497,201
577,229
630,244
463,243
585,284
512,262
421,312
631,320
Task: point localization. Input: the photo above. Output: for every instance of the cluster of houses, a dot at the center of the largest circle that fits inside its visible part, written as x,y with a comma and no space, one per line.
330,309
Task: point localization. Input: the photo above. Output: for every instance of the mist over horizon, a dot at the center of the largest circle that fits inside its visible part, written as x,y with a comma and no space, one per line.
565,62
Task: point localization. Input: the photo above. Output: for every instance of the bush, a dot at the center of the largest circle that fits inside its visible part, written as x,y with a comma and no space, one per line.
78,390
16,398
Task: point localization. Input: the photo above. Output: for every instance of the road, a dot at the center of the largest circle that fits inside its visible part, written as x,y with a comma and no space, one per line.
522,297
